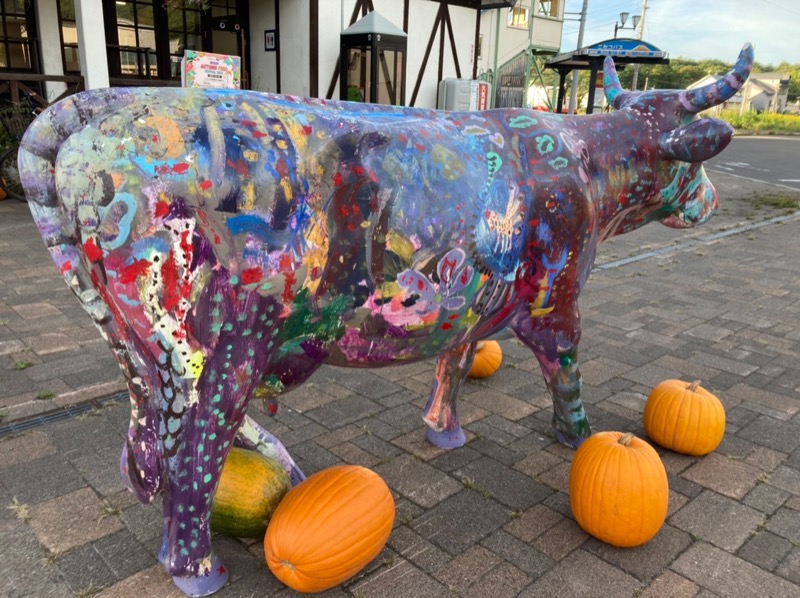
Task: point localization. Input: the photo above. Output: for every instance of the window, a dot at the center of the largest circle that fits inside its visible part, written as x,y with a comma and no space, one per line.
518,17
185,33
69,37
548,8
136,38
15,41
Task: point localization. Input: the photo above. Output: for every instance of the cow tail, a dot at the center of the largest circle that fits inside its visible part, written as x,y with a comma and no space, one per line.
76,256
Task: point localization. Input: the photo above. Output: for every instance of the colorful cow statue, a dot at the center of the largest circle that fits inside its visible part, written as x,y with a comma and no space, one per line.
225,240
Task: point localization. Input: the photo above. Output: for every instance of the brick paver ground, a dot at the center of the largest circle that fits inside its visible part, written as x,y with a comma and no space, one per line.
721,304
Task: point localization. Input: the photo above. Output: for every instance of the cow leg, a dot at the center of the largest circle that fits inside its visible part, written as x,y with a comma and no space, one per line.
255,438
554,341
440,414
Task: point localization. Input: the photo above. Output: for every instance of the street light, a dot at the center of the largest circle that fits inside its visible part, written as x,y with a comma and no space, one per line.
623,17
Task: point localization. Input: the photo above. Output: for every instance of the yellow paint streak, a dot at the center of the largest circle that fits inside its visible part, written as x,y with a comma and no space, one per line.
248,190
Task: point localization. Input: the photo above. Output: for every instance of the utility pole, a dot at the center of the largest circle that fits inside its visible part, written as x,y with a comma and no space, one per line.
573,93
639,35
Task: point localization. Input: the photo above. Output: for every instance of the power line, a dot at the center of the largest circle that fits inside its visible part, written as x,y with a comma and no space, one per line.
781,7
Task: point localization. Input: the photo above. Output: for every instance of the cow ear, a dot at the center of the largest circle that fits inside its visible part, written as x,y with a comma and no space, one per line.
697,141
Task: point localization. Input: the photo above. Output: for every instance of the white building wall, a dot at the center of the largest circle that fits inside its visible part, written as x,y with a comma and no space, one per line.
334,16
509,41
294,47
263,71
47,19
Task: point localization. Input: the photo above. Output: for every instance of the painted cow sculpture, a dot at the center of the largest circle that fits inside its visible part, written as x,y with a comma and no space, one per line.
228,240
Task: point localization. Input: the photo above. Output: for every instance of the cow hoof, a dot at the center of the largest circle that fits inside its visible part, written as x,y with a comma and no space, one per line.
447,438
203,585
569,440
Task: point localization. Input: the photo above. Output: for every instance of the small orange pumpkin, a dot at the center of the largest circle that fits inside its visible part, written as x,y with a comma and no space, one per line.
329,527
684,417
488,357
618,489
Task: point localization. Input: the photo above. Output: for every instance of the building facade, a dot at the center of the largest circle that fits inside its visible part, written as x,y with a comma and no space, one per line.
287,46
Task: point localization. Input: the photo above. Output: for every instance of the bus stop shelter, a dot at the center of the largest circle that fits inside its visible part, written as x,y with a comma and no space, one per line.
624,51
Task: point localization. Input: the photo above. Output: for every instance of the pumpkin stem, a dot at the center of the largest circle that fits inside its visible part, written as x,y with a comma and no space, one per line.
625,439
479,346
693,386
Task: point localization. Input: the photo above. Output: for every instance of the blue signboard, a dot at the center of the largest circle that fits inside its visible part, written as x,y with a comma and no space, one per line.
633,48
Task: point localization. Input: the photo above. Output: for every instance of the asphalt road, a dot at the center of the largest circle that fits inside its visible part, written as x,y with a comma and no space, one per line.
772,160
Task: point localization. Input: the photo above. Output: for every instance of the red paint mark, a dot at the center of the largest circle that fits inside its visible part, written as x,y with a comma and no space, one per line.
93,252
288,281
420,147
373,177
420,285
453,317
206,185
337,179
286,261
258,134
359,170
66,267
307,130
344,211
169,274
252,275
221,569
241,168
272,408
446,326
134,271
162,209
180,168
402,137
154,139
251,124
217,240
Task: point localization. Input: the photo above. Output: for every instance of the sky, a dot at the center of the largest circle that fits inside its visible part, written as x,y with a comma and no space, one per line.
696,29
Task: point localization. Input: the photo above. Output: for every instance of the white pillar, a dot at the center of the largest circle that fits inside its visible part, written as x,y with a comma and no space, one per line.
92,43
47,18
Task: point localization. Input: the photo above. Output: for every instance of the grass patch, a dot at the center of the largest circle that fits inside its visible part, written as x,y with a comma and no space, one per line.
765,122
778,202
20,510
45,395
22,365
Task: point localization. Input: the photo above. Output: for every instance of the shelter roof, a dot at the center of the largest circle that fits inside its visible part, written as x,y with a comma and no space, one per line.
622,50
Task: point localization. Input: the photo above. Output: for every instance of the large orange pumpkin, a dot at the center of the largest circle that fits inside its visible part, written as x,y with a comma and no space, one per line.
329,527
488,357
684,417
618,489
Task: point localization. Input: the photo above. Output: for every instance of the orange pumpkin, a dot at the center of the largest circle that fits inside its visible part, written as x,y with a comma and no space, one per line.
618,489
329,527
684,417
488,357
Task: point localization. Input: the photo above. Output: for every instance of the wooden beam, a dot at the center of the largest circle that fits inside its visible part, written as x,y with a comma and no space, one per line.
452,43
337,69
477,42
425,58
313,48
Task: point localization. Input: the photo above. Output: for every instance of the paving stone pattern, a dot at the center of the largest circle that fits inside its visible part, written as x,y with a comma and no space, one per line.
489,519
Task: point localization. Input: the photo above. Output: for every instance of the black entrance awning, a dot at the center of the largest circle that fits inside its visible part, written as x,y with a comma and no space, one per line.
623,51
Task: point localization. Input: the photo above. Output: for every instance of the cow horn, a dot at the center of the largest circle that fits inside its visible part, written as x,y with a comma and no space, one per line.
611,86
695,100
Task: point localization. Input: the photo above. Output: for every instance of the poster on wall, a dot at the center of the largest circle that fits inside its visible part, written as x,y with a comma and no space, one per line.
207,70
